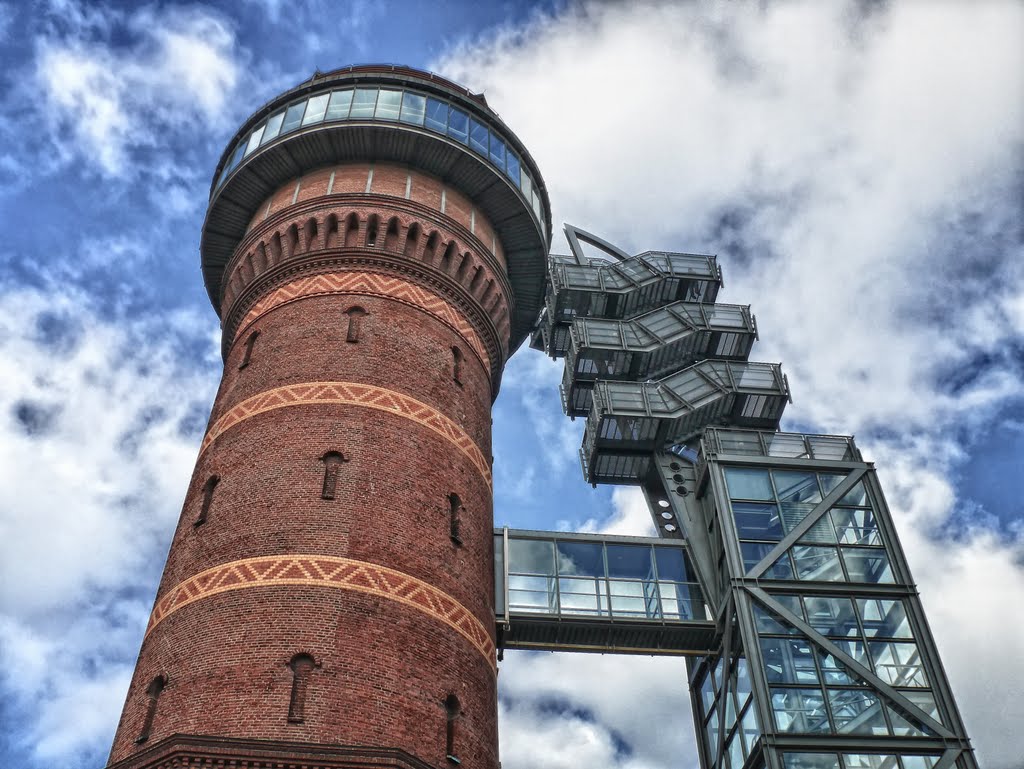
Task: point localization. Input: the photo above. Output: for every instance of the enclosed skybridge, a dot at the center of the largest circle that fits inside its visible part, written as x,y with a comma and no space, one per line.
594,593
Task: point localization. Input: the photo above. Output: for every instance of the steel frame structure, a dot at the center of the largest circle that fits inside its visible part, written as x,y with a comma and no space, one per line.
821,657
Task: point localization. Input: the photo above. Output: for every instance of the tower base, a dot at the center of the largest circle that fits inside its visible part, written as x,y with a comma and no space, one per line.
181,751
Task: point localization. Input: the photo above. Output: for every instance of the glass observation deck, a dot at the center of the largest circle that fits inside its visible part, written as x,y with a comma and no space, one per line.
391,105
620,290
598,593
628,421
651,346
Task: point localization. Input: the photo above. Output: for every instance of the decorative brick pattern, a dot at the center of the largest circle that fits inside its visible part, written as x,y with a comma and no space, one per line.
331,572
374,285
352,394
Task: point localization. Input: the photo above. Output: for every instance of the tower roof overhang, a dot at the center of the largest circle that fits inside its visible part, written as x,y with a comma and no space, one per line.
503,180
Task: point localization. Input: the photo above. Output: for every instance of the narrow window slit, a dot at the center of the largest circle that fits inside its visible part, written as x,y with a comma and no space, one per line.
204,509
452,711
247,355
455,518
355,323
153,692
332,462
302,669
457,359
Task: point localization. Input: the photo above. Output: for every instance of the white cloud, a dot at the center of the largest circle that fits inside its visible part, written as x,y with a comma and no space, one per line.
857,168
102,103
99,427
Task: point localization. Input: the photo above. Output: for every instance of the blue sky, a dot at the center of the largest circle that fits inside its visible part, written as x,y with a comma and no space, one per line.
857,167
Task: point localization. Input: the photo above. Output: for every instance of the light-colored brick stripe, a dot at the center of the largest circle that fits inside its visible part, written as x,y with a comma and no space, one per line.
371,284
351,394
330,572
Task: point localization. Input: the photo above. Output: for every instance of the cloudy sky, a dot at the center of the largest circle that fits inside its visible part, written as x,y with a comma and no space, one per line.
858,167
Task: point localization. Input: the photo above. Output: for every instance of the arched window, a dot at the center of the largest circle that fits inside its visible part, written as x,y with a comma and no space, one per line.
156,686
371,230
457,365
452,711
247,355
454,518
302,669
204,509
332,463
355,323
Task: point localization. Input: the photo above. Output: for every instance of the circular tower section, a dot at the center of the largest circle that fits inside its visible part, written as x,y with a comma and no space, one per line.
375,247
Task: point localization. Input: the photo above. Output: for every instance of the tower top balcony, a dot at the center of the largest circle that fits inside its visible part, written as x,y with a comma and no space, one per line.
395,114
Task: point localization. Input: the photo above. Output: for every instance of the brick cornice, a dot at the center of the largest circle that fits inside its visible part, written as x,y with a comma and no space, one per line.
186,751
338,201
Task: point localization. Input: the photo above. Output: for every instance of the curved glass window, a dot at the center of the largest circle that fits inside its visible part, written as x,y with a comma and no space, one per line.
392,104
414,107
341,102
293,117
388,104
315,109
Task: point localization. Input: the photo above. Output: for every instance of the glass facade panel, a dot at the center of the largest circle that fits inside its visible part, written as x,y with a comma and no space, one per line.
856,496
811,761
630,561
898,663
829,481
389,104
531,556
254,140
272,128
925,700
857,711
581,559
883,617
788,661
793,514
869,761
793,486
364,102
512,167
753,552
749,729
819,564
458,125
707,692
532,594
831,616
497,151
315,109
855,526
437,115
339,105
769,622
735,750
799,710
867,564
293,117
414,108
757,520
479,136
919,762
745,483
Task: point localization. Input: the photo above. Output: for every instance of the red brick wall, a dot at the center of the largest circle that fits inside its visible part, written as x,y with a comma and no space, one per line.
387,657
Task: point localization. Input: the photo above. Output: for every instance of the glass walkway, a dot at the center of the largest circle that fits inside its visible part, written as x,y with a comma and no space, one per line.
581,592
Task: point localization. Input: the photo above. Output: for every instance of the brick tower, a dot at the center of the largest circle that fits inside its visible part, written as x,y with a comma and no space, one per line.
375,246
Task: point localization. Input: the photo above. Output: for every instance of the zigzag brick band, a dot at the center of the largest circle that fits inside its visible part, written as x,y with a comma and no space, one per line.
374,285
331,572
352,394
